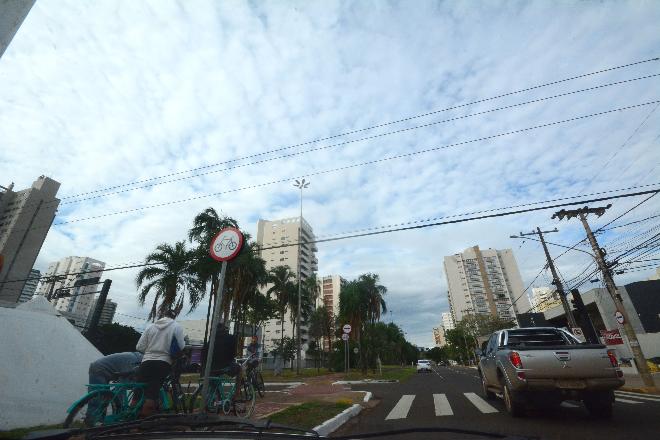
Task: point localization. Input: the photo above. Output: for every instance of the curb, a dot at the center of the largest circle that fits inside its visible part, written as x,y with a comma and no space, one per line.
331,425
363,382
639,390
367,396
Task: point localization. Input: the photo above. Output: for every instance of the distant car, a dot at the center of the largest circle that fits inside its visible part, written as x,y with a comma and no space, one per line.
442,364
424,366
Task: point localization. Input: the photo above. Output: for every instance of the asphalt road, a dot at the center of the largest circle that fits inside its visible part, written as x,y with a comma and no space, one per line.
451,398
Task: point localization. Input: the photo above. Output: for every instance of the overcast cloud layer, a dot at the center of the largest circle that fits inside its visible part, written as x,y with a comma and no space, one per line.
106,93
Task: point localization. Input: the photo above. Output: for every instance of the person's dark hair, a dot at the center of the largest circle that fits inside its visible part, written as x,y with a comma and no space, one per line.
169,313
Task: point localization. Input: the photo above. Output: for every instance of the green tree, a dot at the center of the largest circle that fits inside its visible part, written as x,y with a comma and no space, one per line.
170,275
282,288
285,348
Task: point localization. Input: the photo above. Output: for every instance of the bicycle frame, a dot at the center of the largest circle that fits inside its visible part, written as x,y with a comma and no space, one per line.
122,395
217,384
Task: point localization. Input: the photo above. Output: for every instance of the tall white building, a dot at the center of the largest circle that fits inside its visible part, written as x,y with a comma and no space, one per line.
447,321
78,306
330,288
25,218
271,234
544,298
485,282
30,286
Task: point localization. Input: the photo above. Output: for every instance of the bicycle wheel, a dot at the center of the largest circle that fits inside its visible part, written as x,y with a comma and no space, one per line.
258,383
196,404
83,416
245,400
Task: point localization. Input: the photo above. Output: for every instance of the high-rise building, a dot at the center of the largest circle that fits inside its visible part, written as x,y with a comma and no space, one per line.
30,286
485,282
439,336
447,321
25,218
78,306
330,288
544,298
283,232
107,314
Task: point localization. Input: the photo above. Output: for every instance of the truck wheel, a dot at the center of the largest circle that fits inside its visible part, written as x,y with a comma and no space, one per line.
512,402
487,393
599,405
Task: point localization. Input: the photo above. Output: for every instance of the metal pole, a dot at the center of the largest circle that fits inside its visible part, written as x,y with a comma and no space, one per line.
348,357
640,360
299,282
214,330
560,288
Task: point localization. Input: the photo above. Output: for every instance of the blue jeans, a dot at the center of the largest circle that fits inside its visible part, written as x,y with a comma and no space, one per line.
105,369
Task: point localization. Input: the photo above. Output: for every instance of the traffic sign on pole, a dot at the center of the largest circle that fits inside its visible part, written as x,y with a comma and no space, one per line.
344,337
347,328
226,244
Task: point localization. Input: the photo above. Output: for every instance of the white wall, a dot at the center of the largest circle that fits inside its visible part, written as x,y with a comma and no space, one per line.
43,365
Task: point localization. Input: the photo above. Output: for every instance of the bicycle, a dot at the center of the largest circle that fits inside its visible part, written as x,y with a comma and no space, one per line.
255,377
122,399
240,399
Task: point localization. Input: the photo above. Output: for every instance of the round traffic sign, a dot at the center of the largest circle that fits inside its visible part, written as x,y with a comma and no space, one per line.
226,244
347,328
355,350
619,317
344,337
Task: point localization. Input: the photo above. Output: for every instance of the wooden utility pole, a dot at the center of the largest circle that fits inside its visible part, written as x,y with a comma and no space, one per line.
599,253
559,287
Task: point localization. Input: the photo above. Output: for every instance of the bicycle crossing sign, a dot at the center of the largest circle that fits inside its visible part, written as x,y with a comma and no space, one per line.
226,244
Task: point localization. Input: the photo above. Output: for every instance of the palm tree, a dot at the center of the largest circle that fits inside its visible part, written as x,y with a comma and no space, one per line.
373,293
171,276
206,225
282,288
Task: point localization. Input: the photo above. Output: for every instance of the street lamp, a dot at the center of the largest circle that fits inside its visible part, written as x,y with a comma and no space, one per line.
301,184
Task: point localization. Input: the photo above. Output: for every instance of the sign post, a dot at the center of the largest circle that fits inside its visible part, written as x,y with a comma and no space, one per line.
347,355
225,246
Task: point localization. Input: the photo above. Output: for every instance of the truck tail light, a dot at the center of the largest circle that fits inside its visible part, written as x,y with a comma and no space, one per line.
514,357
612,357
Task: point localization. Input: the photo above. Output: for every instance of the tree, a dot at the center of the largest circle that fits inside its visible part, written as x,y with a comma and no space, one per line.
206,225
285,348
115,338
282,287
439,354
170,275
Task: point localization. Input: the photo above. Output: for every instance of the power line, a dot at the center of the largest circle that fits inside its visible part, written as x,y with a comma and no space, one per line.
351,132
376,136
371,162
387,231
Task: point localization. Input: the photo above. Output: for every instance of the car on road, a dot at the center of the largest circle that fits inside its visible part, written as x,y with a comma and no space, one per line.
545,366
424,366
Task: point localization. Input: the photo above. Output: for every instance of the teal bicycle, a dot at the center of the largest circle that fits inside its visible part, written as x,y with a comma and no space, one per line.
226,396
122,401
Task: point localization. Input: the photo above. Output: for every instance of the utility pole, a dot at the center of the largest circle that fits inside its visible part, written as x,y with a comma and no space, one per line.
559,286
582,213
301,184
100,303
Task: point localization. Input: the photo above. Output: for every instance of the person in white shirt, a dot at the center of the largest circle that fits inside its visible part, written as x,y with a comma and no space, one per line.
161,342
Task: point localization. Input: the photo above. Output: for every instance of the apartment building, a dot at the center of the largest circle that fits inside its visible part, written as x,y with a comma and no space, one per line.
485,282
30,286
78,306
279,242
25,218
107,314
544,298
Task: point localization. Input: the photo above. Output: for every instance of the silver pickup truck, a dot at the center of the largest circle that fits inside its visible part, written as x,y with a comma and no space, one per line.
543,366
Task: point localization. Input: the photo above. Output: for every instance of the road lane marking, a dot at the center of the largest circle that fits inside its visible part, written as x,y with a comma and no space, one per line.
442,407
400,410
626,400
637,396
480,403
569,405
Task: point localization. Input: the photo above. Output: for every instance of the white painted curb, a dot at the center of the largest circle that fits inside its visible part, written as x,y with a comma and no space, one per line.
367,396
330,426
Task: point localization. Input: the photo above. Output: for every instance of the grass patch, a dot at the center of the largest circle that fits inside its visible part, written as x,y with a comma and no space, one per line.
291,376
390,372
310,414
19,433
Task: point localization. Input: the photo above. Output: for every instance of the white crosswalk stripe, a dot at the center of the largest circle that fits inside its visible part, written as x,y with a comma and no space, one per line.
618,399
480,403
400,410
629,395
442,407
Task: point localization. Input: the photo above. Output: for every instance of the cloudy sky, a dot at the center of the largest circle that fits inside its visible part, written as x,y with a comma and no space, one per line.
98,95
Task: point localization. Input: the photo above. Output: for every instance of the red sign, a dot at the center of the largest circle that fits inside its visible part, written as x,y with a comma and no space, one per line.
226,244
612,337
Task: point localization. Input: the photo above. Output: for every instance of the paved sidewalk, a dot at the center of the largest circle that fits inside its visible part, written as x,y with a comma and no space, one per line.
634,381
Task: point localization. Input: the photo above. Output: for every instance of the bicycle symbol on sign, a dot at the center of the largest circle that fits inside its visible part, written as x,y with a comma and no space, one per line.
227,243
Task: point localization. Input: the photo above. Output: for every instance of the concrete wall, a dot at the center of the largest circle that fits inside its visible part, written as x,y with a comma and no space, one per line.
43,366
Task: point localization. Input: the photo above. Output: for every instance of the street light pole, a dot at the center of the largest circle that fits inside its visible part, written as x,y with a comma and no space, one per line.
301,184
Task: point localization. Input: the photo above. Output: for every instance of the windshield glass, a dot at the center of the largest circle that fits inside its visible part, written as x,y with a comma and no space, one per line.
346,216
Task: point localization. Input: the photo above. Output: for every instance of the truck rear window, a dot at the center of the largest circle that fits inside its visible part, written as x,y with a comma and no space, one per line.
537,338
